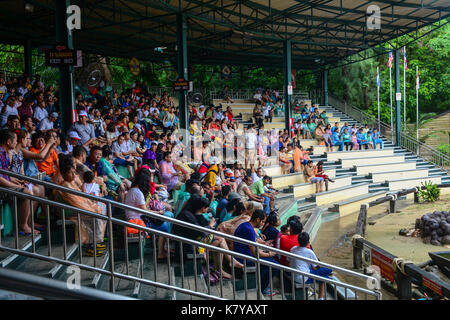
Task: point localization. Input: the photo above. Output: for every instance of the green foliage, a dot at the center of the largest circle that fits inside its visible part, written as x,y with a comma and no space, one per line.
356,83
445,148
431,192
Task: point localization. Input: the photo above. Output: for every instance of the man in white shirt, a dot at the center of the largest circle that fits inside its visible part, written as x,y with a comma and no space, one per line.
219,114
250,147
304,266
8,109
201,112
23,89
257,97
40,113
47,123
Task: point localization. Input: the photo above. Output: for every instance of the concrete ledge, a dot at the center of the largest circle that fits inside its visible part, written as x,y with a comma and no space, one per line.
334,156
400,166
306,189
288,211
295,178
340,194
313,224
273,171
319,150
411,183
396,175
348,163
352,205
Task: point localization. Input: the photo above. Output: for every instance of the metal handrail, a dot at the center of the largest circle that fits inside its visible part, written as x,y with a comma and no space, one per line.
29,284
406,141
125,224
181,239
247,94
160,217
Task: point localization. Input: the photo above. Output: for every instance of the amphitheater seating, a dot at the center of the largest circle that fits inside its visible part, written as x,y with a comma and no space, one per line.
350,162
366,169
306,189
295,178
396,175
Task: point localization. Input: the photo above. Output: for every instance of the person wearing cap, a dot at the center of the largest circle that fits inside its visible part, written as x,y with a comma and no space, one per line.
72,140
84,129
47,123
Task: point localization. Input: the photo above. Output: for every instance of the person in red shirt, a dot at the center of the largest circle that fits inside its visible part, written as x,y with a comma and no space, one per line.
287,242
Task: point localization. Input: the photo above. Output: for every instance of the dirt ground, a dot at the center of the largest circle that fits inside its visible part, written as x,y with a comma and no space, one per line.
333,243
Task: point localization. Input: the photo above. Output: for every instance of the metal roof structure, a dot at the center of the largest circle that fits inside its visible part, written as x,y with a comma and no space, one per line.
245,32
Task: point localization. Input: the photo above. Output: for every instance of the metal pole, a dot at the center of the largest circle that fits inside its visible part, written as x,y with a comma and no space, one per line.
182,68
398,122
392,117
417,108
287,82
64,37
28,49
378,91
404,91
325,87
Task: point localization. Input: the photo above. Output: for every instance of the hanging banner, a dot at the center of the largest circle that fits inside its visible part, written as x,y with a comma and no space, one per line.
135,66
294,84
226,73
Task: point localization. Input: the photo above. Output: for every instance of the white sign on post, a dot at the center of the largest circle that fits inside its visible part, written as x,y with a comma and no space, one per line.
290,91
398,96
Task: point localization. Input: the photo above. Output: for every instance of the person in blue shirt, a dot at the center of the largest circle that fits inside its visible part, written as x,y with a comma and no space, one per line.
361,138
345,126
247,231
335,139
224,200
369,139
377,139
335,128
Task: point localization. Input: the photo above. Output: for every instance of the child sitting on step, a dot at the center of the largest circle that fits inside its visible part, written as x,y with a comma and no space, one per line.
354,140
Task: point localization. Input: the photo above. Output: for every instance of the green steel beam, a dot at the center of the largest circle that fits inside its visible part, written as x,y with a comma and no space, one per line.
287,67
63,37
28,58
182,67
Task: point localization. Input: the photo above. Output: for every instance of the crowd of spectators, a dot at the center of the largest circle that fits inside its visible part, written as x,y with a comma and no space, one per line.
123,147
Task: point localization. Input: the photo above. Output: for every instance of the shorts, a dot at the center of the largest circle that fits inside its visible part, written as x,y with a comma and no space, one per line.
250,155
316,179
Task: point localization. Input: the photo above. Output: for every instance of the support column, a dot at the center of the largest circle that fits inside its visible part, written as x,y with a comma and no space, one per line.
64,37
398,120
28,50
287,81
182,68
325,87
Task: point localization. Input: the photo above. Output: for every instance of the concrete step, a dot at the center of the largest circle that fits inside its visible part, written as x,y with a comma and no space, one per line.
411,183
349,163
340,194
353,204
395,175
282,181
306,189
367,169
334,156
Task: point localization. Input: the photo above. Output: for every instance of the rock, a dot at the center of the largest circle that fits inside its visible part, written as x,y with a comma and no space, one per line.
435,243
437,212
448,219
403,232
427,240
446,239
443,224
418,224
440,232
